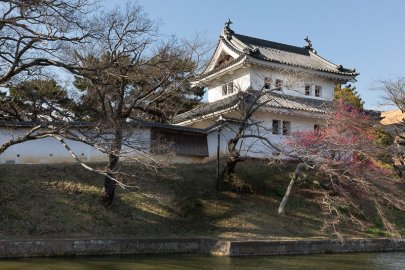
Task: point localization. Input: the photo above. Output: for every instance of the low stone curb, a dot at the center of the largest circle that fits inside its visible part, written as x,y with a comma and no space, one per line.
257,248
209,246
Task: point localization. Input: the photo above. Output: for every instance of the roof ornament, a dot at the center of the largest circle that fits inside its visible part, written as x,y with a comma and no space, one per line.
251,51
228,24
228,32
309,45
343,69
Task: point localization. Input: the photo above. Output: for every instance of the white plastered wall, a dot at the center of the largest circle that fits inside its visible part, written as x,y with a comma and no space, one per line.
251,146
294,81
50,150
253,77
240,79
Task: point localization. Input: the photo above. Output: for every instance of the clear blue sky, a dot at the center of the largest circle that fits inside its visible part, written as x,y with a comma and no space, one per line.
368,35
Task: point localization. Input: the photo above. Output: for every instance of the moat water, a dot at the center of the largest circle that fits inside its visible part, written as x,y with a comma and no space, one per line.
369,261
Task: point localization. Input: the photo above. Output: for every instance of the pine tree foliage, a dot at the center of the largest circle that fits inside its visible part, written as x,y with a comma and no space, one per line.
349,95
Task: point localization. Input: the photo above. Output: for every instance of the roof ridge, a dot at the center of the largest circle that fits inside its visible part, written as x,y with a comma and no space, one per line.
270,41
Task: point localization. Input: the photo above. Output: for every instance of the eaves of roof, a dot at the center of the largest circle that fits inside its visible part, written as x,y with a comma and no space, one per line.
139,124
278,53
289,55
263,58
207,108
271,100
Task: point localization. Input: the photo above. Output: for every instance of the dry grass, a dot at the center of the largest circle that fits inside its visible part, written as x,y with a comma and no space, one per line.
61,201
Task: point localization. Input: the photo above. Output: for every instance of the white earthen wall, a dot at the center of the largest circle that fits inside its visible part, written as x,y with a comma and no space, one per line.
50,150
252,147
240,79
295,81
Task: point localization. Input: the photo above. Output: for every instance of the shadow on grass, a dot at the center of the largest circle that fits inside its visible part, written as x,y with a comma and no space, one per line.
64,201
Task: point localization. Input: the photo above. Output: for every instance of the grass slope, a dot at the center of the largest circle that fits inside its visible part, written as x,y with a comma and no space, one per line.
62,201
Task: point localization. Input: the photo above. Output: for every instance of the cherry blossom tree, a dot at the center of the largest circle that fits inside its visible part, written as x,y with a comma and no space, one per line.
343,153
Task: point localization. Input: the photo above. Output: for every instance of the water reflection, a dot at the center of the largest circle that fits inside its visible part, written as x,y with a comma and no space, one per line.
369,261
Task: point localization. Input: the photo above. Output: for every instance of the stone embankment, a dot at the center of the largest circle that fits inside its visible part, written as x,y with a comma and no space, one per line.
215,247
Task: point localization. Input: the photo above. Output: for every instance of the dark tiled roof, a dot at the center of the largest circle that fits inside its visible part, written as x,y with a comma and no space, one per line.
206,108
305,57
262,43
276,100
31,124
28,124
273,100
290,55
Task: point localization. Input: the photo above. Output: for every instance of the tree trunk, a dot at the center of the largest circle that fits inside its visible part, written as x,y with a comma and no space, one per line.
113,157
281,208
229,168
109,185
298,173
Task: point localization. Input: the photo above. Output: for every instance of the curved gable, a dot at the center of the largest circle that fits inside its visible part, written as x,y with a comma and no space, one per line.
222,55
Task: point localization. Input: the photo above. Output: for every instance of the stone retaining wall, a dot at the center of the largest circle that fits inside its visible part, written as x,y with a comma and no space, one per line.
215,247
257,248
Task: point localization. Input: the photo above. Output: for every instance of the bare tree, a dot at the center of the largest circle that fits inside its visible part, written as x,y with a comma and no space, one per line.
32,34
129,72
126,73
394,94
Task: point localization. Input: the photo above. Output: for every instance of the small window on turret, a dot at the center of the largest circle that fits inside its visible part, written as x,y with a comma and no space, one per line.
286,127
276,127
318,90
224,90
227,89
267,82
230,88
307,90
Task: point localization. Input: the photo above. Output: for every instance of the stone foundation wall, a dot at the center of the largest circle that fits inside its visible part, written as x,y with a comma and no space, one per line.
215,247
